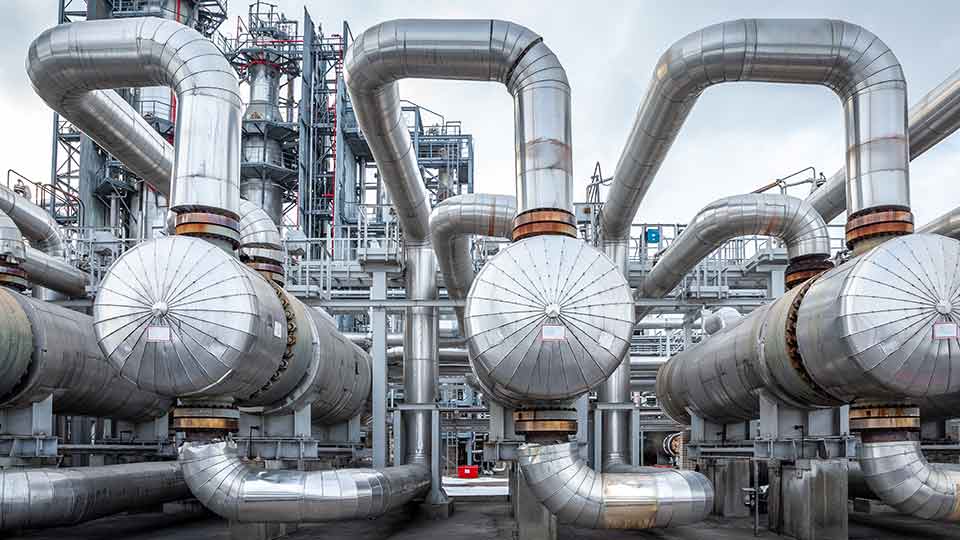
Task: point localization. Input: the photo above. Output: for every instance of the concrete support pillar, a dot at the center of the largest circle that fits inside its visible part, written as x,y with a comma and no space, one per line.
260,531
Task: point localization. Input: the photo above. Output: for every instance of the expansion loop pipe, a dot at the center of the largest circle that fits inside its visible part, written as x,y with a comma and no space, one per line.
479,50
846,58
68,62
238,491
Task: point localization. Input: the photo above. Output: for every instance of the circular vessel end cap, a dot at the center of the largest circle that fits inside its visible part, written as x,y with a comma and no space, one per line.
549,318
899,313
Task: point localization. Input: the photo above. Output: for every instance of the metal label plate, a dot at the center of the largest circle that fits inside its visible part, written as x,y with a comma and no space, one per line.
158,333
553,333
946,330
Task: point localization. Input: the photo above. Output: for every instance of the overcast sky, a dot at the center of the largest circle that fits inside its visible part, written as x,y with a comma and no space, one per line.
738,137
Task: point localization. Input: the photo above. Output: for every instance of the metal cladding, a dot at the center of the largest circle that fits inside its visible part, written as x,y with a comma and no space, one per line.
900,476
719,319
325,370
36,224
863,330
48,350
451,224
867,328
239,491
616,388
947,224
36,498
181,317
646,498
478,50
846,58
934,118
788,218
259,237
548,318
68,65
54,273
420,328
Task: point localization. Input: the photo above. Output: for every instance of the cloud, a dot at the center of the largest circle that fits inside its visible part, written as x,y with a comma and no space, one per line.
738,137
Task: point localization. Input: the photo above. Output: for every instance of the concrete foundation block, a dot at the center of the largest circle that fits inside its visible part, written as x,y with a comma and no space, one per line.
260,531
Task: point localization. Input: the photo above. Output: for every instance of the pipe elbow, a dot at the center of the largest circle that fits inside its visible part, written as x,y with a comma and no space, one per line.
238,491
900,475
644,499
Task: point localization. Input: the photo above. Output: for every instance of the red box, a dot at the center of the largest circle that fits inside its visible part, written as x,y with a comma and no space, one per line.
468,471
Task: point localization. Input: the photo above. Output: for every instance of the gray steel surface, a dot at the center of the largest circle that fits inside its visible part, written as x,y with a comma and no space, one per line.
239,491
548,318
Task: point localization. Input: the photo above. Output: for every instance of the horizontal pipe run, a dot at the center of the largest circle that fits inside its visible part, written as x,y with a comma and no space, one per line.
52,350
40,498
864,330
239,491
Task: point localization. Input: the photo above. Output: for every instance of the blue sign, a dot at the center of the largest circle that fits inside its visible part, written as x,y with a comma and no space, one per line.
653,235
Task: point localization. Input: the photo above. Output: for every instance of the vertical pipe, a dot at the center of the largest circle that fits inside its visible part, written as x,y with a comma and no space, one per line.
420,350
616,389
379,350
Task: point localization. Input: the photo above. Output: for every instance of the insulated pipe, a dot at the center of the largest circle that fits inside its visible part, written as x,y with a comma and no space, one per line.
478,50
47,349
43,231
788,218
720,319
42,269
579,496
38,498
845,57
863,330
54,273
934,118
947,224
420,347
239,491
451,224
322,369
70,61
615,444
895,469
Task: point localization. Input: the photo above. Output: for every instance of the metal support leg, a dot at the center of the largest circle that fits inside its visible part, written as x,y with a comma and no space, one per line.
597,438
636,439
378,396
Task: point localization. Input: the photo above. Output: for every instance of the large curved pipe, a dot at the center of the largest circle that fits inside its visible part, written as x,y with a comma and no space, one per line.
863,330
38,498
239,491
451,224
846,58
934,118
68,65
790,219
898,473
477,50
579,496
51,350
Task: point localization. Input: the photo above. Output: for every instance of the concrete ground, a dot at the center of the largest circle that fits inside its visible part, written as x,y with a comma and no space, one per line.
482,520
